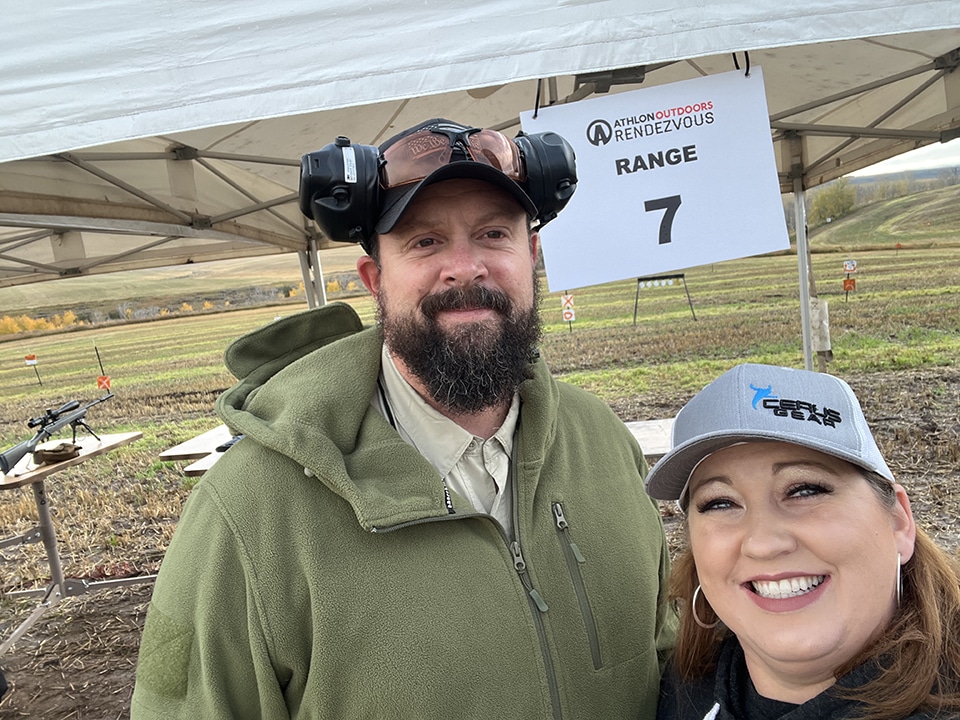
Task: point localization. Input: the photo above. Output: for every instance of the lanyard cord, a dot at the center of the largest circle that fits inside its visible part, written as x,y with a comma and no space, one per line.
386,406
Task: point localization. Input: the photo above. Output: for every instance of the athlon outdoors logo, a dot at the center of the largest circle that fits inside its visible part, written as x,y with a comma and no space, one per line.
795,409
599,132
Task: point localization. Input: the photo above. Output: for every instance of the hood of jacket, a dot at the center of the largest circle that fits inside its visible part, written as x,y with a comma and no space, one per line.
304,388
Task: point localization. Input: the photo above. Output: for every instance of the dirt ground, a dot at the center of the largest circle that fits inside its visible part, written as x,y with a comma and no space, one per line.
79,660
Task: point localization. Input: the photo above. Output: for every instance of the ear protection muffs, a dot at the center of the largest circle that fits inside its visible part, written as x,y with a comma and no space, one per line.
340,190
340,184
551,172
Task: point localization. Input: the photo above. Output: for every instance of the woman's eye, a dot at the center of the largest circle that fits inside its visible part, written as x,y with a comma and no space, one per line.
714,504
807,490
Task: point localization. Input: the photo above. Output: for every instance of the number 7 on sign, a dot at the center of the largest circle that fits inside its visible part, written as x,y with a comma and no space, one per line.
670,204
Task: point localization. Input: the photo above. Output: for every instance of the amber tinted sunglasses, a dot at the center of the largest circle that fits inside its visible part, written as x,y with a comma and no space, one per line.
412,158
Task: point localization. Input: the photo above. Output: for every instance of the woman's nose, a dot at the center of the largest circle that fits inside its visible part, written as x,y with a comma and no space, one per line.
766,535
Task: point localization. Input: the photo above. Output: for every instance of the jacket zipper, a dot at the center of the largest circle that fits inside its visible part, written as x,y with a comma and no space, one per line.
538,605
574,560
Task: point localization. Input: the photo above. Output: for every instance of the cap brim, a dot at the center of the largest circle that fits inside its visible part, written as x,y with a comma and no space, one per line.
668,477
396,200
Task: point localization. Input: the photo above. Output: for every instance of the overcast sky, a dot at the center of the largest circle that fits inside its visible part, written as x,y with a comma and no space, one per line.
937,155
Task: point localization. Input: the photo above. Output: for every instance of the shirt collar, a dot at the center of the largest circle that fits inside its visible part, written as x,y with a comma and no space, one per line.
438,438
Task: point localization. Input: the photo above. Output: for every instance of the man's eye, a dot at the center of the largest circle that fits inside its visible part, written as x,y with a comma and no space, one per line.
425,242
495,234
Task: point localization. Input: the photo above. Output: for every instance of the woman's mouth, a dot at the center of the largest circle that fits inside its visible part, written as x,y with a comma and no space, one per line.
786,588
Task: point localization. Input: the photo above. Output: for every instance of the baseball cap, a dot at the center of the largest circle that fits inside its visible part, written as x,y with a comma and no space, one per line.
754,402
438,150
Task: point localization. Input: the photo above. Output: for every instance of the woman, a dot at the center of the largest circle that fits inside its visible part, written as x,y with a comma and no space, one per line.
807,591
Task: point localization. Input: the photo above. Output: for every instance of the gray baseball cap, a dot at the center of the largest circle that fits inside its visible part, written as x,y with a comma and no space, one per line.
764,402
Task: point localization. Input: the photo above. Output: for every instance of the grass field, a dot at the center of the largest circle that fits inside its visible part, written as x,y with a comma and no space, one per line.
905,313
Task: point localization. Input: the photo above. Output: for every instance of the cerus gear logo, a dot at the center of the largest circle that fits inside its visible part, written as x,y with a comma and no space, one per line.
599,132
794,409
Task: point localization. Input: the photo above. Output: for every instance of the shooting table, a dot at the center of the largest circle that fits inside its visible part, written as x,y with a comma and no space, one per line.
27,473
202,449
653,436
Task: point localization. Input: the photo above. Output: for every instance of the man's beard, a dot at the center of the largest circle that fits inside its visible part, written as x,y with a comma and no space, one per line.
473,366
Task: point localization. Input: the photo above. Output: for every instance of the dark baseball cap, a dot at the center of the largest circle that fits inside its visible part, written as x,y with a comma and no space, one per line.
437,150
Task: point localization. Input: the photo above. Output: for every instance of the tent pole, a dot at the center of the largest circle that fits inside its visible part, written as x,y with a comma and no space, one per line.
319,288
308,288
803,252
313,286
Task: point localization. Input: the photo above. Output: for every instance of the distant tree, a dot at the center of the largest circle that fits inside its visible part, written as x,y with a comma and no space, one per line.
949,176
833,201
789,213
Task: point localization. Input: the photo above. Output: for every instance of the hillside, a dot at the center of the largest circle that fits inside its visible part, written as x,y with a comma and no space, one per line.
195,283
919,220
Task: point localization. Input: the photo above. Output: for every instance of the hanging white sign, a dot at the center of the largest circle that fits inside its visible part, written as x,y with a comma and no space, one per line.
670,177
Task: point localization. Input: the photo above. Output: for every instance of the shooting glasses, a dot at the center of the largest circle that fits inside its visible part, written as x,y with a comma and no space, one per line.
411,158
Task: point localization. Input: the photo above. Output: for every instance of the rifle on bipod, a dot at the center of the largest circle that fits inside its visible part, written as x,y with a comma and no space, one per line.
52,421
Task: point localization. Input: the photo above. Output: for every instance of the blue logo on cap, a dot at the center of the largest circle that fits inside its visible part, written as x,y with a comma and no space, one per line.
761,393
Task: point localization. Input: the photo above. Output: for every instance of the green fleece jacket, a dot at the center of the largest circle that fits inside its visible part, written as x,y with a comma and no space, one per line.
317,571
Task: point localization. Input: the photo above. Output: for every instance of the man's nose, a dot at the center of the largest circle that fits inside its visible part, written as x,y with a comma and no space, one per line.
464,263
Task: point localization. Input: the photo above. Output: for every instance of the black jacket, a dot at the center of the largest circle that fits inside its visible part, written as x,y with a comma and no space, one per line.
728,694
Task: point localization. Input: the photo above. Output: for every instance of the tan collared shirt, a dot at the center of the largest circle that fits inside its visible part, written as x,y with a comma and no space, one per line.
474,468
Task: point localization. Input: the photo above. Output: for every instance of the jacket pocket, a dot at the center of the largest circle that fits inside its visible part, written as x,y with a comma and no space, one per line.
575,560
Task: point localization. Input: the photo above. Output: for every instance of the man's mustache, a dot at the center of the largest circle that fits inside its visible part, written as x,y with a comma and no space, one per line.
468,298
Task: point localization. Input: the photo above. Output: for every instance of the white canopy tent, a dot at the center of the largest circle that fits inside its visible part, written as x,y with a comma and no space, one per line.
142,135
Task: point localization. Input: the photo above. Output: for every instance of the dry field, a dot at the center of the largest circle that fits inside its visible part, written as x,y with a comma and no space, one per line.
896,341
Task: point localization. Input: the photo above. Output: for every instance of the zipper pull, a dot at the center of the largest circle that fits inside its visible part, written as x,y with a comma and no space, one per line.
560,517
538,599
563,526
518,562
520,565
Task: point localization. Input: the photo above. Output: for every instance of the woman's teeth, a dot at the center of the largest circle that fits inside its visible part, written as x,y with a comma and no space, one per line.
786,588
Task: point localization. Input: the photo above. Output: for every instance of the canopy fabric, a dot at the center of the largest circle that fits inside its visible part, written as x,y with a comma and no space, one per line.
140,135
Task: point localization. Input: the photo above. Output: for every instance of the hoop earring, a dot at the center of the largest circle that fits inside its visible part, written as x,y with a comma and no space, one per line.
696,618
899,580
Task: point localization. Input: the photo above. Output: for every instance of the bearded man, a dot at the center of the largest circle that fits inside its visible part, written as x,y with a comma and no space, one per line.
419,522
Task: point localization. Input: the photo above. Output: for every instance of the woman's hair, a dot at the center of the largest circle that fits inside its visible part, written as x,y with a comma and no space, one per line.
918,653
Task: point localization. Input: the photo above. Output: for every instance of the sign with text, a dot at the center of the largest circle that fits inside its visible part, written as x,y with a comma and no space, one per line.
669,177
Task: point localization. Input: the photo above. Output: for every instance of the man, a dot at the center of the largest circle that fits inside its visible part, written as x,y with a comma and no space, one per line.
419,522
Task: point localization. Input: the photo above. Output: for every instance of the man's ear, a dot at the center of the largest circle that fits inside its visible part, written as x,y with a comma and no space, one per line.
534,245
369,273
904,527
